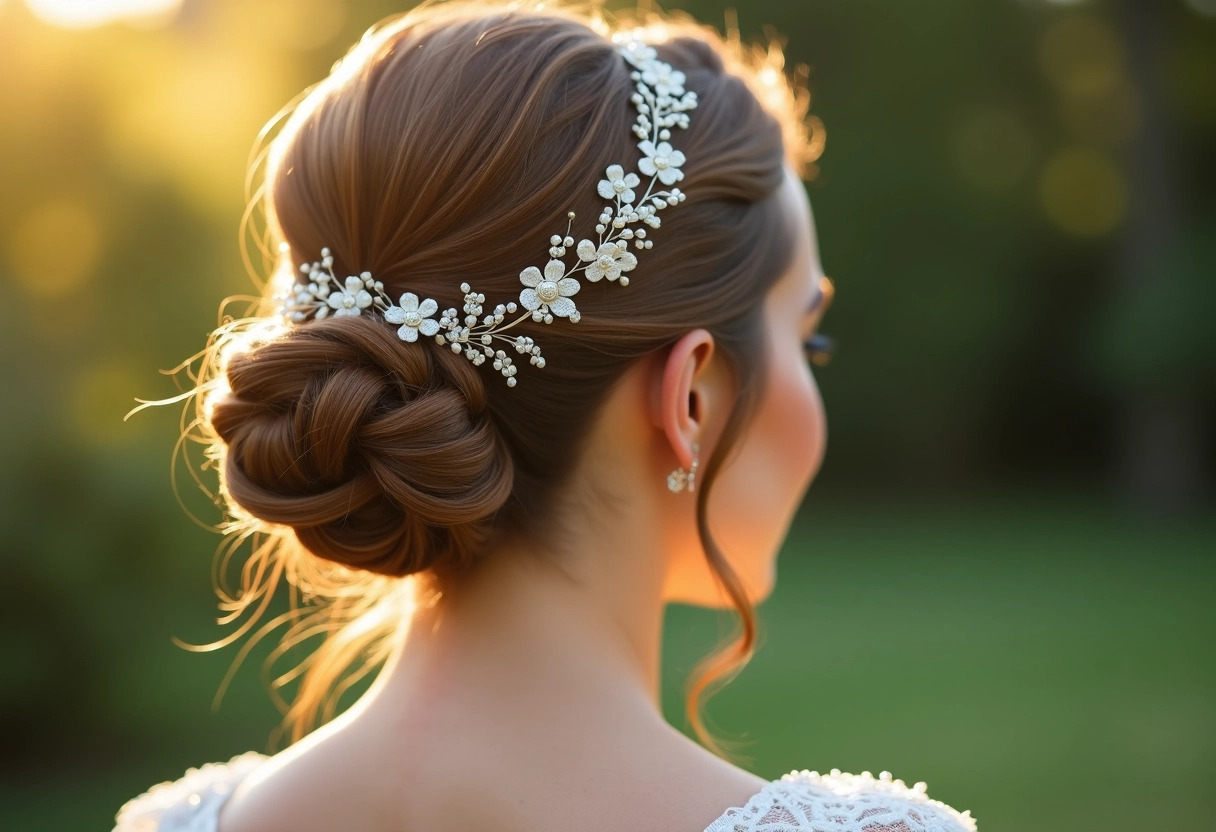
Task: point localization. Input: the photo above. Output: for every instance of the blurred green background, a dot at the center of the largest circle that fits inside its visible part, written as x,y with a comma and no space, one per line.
1001,583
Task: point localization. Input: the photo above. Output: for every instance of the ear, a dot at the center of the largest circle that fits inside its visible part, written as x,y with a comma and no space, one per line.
680,403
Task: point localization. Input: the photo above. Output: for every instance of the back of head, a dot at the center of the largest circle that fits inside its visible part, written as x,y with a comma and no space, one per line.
447,146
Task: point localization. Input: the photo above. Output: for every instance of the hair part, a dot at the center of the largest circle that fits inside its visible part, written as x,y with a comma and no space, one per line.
352,461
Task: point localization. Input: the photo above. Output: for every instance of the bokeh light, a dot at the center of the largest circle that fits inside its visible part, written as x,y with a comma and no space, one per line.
1080,55
76,14
1108,120
1082,192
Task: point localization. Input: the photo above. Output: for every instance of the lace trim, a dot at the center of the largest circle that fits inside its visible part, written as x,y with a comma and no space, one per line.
800,801
190,803
807,801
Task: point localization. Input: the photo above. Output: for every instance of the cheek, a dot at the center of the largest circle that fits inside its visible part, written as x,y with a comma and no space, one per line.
762,486
791,429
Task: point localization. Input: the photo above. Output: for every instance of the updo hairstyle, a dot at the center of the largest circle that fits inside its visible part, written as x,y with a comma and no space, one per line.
446,146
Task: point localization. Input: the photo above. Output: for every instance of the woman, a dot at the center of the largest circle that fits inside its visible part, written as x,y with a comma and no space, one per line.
504,533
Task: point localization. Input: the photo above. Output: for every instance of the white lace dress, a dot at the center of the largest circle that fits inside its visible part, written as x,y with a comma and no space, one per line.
800,801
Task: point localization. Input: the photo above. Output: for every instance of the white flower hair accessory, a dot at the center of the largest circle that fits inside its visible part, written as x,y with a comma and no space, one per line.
662,103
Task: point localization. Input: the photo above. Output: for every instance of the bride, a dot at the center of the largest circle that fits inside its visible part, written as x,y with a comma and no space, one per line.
533,364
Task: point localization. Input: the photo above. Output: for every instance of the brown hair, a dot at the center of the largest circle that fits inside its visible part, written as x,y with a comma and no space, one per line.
448,145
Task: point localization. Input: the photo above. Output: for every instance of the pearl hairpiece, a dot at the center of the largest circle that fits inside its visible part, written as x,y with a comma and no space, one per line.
662,103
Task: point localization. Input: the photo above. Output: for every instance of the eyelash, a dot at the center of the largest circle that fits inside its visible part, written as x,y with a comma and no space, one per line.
818,348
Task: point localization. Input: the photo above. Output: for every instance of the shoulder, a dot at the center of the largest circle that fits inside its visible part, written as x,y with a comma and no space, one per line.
847,802
191,803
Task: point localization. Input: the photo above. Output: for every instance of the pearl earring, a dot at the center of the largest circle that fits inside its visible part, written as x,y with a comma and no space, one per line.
679,478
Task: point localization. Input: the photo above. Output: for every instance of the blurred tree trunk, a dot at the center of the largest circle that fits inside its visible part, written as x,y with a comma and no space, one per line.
1161,438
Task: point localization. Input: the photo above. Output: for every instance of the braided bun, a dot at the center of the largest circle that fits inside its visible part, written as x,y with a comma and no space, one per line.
380,455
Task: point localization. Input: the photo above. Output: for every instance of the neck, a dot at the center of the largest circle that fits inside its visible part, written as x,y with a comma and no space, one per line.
531,633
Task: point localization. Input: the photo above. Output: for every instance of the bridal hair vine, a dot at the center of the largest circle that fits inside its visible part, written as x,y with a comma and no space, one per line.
662,103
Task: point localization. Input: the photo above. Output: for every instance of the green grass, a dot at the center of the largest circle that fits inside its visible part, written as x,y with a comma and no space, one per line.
1047,667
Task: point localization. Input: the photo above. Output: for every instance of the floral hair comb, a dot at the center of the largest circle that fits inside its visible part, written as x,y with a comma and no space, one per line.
662,103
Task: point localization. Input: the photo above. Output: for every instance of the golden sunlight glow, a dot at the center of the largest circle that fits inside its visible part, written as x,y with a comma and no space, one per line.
157,124
81,14
55,247
96,400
